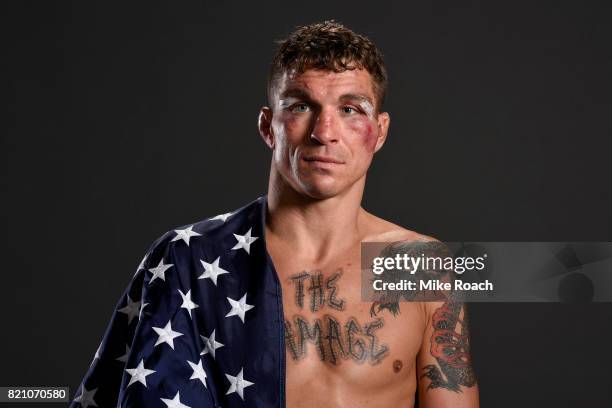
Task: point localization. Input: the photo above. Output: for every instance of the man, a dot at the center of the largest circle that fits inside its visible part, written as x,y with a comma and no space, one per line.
262,306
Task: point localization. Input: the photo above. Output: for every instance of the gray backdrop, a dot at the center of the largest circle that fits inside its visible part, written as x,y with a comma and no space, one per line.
125,120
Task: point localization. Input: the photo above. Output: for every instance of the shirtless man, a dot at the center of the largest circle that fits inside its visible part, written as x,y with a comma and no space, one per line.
324,124
205,317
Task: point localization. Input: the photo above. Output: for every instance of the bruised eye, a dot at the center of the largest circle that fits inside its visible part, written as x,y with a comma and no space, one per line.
300,108
349,110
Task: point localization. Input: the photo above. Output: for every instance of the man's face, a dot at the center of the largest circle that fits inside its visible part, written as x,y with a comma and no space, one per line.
323,129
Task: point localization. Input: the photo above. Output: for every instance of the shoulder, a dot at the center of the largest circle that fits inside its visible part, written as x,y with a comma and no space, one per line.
377,229
183,240
400,239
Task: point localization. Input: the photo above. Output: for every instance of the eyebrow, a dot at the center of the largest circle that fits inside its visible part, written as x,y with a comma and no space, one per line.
357,97
300,93
295,92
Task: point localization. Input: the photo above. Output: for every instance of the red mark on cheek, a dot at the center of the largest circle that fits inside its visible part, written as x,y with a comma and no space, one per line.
370,137
366,132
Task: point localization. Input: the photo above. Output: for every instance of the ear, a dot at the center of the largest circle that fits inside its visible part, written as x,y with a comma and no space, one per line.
264,123
383,127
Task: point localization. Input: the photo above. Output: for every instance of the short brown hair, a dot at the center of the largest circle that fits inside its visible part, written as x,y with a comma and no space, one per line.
329,46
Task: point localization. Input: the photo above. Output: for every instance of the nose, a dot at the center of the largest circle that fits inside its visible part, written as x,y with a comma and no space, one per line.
324,130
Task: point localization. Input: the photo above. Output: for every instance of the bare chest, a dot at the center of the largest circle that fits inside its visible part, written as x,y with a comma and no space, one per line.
333,337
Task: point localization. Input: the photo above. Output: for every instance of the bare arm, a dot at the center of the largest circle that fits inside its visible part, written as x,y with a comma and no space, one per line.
444,363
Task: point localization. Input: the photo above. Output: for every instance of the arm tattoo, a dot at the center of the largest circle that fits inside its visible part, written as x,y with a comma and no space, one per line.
451,349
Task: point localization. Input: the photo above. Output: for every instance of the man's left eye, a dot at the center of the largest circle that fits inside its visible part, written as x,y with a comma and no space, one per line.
349,109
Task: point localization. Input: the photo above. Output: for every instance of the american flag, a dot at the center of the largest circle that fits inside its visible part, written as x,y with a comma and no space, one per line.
199,325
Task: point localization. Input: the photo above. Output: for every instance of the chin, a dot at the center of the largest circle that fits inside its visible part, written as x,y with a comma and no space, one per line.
321,191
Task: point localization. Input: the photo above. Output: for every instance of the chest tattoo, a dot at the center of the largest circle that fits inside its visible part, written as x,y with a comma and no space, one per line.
334,339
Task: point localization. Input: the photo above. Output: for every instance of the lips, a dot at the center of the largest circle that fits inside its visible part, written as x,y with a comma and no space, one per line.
322,159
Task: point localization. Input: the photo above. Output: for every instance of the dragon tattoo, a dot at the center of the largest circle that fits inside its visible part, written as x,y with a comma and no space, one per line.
450,347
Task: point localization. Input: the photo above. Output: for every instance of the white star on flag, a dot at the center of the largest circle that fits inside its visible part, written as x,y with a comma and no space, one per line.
187,302
124,357
174,402
139,374
212,270
222,217
160,271
166,335
238,384
185,234
245,241
86,399
239,307
210,344
198,372
131,309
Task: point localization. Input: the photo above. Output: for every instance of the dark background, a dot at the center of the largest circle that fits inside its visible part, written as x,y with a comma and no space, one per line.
126,120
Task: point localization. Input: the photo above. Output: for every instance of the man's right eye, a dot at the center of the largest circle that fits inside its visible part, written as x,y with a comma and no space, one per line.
300,108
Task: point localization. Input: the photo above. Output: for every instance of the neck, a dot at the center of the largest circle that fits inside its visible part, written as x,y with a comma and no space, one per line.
314,228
